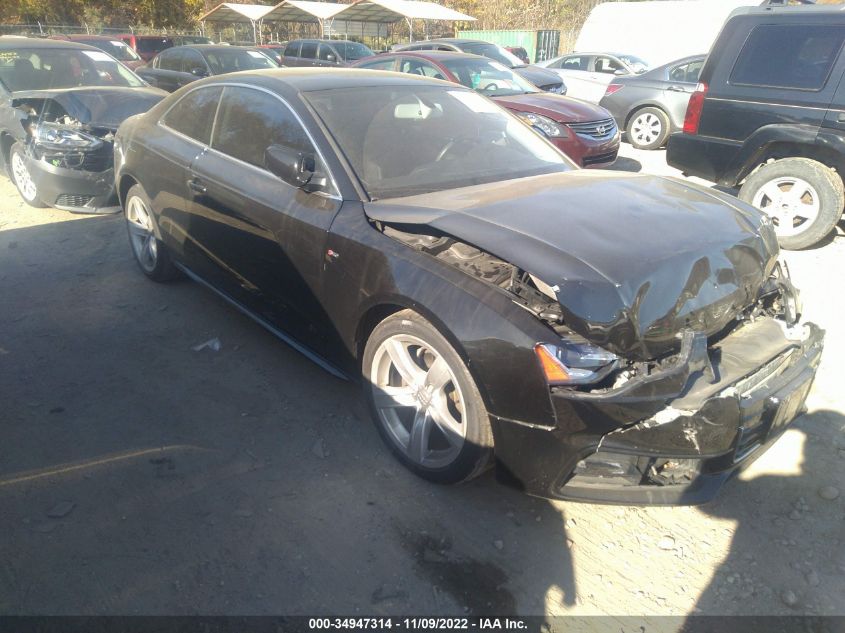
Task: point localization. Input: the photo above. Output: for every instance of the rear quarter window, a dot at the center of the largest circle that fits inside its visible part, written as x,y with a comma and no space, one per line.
792,56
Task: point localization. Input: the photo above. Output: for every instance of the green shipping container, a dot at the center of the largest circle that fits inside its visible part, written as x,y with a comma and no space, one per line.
540,45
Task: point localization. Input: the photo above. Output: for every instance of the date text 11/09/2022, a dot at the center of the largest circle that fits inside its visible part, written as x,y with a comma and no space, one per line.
424,623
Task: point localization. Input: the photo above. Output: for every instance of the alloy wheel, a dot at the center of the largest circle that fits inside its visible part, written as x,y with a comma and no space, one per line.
141,235
23,179
418,400
646,128
792,203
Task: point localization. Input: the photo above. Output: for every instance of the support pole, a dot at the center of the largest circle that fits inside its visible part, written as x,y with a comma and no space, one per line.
410,29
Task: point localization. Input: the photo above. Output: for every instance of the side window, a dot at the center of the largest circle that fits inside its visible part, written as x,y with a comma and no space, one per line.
309,50
192,59
572,63
249,121
419,67
170,60
381,64
797,56
686,73
292,49
193,114
607,65
326,53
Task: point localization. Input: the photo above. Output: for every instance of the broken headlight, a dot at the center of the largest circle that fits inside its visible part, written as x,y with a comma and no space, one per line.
58,137
574,363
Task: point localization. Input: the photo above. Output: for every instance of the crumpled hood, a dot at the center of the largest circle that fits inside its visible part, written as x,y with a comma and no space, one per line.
633,259
98,106
556,107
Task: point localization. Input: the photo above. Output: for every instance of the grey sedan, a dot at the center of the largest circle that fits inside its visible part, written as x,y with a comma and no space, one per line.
651,106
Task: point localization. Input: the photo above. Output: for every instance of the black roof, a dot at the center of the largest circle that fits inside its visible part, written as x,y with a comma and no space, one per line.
16,43
203,48
307,79
326,41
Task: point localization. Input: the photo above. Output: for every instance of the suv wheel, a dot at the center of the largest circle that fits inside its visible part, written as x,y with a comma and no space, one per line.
803,197
648,128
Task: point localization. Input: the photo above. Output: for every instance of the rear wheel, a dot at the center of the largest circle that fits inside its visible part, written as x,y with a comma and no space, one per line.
22,177
424,401
150,254
648,128
803,197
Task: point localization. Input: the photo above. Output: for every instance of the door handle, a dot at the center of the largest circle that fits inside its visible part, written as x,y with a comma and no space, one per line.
675,89
196,186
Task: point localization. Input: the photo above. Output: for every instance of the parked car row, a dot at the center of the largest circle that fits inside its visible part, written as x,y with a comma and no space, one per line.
498,305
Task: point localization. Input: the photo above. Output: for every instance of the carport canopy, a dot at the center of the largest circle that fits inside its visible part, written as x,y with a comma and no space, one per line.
389,11
232,12
303,11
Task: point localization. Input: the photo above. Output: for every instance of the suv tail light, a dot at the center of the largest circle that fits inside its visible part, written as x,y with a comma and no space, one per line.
611,88
694,107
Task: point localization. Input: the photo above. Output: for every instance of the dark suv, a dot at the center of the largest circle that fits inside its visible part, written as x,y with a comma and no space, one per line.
329,53
768,115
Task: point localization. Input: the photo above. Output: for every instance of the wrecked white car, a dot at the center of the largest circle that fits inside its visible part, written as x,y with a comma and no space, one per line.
60,104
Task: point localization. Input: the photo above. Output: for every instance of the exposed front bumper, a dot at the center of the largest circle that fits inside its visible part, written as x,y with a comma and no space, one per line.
75,190
682,447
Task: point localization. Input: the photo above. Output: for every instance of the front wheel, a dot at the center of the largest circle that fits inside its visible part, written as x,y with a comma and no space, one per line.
424,401
803,197
648,128
22,177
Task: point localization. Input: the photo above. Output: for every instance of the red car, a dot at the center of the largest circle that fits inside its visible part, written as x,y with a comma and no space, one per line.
147,46
114,46
585,132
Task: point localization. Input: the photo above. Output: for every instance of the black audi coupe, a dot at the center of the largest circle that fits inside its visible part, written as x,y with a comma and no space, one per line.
596,336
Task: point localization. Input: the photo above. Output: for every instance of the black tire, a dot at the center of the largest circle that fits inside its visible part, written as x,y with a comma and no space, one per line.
27,191
476,451
149,252
826,183
648,128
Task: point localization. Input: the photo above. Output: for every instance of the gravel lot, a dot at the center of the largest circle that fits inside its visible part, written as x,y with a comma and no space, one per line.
140,476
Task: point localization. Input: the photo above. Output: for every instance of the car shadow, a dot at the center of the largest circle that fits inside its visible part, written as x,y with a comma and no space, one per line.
139,476
800,572
625,163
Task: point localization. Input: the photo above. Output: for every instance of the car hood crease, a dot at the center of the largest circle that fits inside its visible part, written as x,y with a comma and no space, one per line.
634,260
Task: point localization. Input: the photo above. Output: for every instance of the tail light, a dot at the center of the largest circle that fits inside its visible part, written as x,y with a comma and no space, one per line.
612,88
694,107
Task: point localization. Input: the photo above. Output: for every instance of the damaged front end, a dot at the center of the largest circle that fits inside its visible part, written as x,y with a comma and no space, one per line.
68,140
667,428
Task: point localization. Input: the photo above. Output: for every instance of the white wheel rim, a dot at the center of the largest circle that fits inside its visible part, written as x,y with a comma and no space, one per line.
792,204
418,400
646,128
141,235
23,179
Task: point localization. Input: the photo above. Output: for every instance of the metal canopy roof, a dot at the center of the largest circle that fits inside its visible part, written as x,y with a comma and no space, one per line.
389,11
232,12
304,11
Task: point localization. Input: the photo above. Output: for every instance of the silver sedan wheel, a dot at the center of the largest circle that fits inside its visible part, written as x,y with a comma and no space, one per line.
792,203
23,179
141,236
418,400
646,128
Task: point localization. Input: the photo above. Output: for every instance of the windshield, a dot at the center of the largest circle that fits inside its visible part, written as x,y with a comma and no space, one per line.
407,140
488,77
117,49
493,51
233,60
351,51
45,69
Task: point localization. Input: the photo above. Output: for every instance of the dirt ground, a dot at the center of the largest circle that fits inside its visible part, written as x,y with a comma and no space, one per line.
138,476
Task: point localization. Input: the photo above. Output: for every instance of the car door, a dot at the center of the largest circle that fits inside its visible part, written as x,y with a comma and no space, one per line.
327,56
193,66
262,239
182,134
680,83
603,69
291,55
167,69
308,54
575,72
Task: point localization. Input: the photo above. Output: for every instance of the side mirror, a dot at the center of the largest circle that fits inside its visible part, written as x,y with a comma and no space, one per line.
331,58
295,168
199,72
620,71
